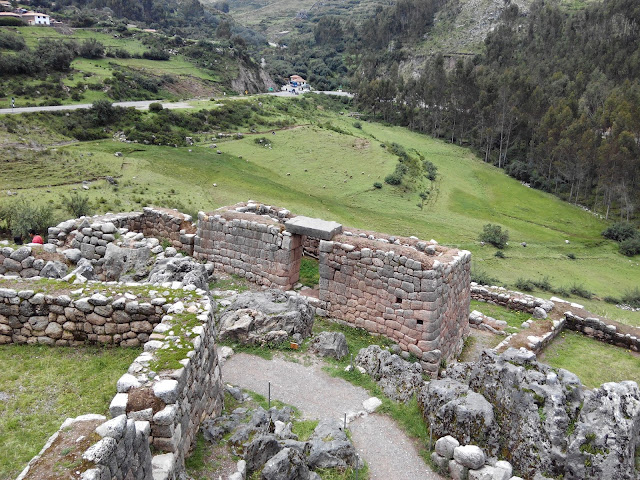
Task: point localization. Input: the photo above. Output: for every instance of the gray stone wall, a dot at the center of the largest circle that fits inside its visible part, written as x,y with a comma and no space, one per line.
419,300
92,234
30,317
600,330
161,400
251,246
29,262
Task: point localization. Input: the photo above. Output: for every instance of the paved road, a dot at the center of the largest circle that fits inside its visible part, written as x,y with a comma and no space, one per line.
389,453
144,104
140,105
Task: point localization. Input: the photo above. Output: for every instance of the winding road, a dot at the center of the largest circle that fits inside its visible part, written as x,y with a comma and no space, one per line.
387,450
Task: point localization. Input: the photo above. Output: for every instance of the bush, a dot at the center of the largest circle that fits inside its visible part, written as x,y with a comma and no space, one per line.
610,299
494,235
22,216
357,125
12,41
499,254
155,107
620,231
525,285
377,185
481,277
580,291
155,54
630,247
543,284
77,205
571,256
91,48
631,298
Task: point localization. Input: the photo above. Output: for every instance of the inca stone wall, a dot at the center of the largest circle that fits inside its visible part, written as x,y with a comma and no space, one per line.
28,262
599,330
93,234
255,247
122,451
420,300
162,399
30,317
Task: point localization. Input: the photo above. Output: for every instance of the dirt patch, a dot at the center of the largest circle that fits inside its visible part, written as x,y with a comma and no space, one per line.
477,341
143,398
64,457
361,144
191,87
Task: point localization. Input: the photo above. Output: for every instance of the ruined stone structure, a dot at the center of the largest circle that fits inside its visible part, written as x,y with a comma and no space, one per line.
163,409
414,292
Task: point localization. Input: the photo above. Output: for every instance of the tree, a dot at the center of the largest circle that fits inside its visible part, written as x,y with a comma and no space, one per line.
103,112
91,48
494,235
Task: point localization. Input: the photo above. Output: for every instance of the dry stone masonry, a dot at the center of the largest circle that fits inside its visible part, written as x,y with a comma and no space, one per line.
417,299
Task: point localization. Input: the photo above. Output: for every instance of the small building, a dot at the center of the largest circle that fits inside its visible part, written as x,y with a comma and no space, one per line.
36,18
5,6
296,85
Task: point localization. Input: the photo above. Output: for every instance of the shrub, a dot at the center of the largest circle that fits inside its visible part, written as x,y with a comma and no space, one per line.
543,284
631,297
91,48
377,185
571,256
155,107
77,205
630,247
494,235
481,277
580,291
499,254
22,216
357,125
524,284
620,231
155,54
610,299
393,179
12,41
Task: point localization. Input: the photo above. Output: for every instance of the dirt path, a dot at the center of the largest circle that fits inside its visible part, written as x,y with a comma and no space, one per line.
389,453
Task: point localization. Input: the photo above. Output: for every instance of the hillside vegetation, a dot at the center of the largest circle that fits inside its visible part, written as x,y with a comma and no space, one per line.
322,163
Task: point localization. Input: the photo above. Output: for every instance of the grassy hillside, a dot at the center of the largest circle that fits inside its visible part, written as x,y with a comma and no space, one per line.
134,78
312,169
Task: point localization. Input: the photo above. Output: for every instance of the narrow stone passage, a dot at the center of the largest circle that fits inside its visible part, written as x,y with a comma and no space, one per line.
389,453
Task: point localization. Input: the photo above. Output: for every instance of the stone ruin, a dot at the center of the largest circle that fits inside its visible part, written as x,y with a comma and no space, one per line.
414,292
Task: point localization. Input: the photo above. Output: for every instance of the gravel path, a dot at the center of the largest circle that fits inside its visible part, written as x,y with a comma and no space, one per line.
389,453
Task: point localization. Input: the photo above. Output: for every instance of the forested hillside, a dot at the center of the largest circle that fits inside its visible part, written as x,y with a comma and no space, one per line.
555,99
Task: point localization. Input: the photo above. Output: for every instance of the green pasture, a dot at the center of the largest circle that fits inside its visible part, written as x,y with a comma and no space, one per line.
42,386
594,362
314,170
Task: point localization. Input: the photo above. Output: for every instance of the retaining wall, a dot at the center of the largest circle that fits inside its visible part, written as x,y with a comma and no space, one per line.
166,393
30,317
255,247
419,300
599,330
513,300
31,261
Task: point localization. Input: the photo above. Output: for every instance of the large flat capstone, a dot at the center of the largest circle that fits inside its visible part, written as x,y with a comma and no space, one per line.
313,227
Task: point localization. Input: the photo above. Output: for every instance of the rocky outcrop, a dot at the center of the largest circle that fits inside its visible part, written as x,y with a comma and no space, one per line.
399,379
540,419
268,317
181,269
330,344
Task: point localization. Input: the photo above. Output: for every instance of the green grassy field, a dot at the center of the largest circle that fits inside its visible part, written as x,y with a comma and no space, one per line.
593,361
313,170
41,386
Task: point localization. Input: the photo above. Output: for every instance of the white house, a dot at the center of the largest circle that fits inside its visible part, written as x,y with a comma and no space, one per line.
36,18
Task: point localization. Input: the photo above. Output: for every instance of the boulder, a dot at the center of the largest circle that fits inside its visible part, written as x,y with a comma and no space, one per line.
287,464
54,269
180,269
399,379
72,254
118,261
470,456
515,408
606,436
266,317
260,450
330,447
330,344
446,445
